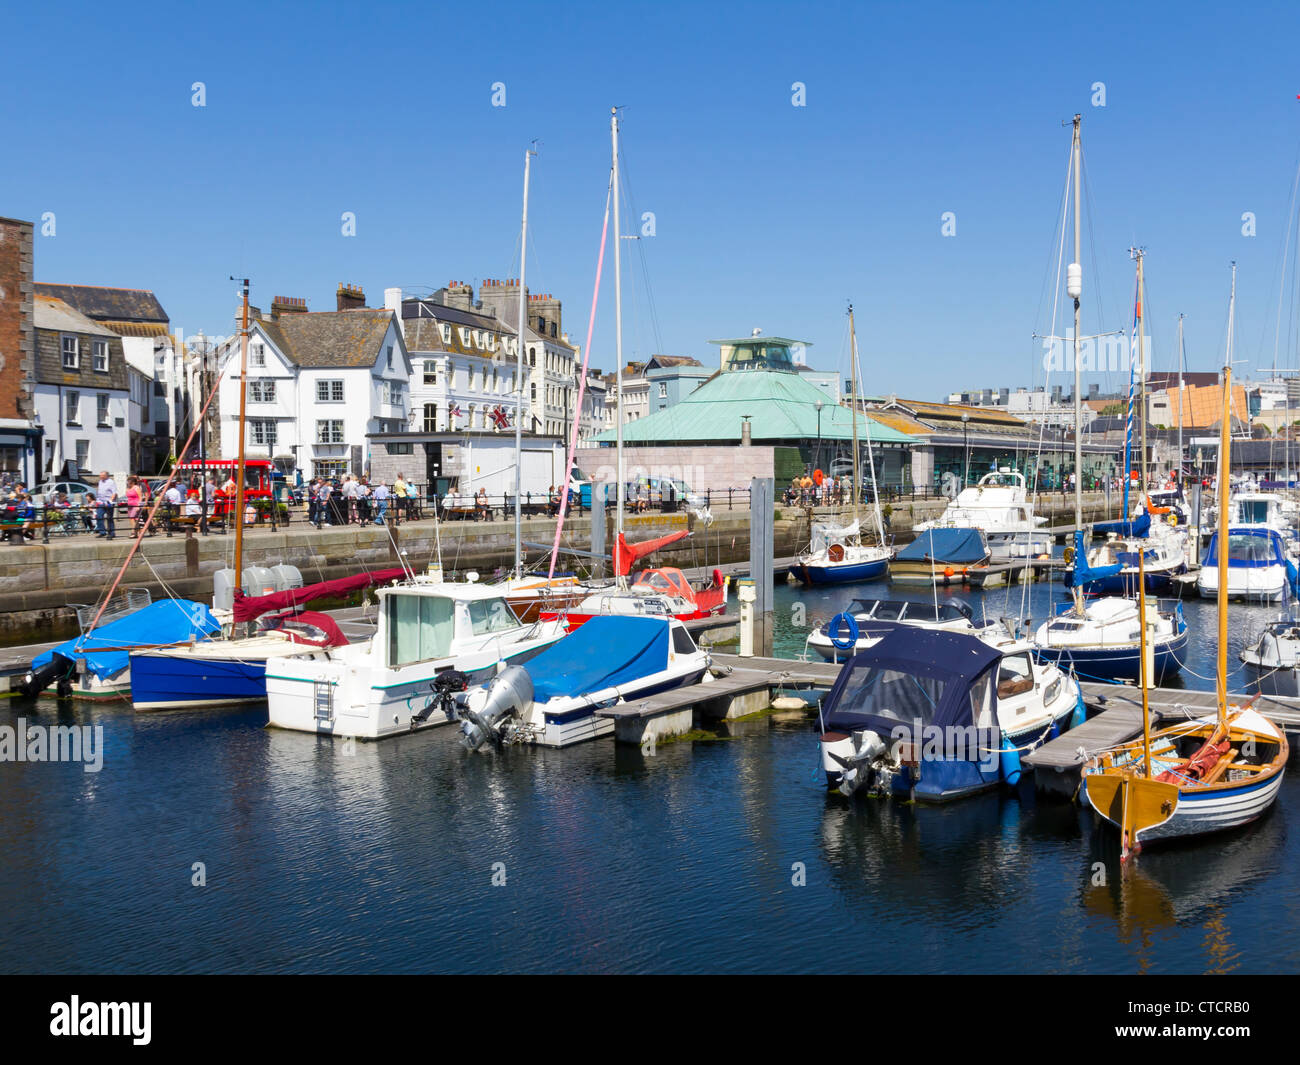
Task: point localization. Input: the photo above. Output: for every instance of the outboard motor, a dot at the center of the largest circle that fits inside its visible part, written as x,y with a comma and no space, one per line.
444,687
510,692
58,668
849,759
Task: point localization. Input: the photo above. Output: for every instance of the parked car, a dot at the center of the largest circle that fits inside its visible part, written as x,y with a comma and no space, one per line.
50,490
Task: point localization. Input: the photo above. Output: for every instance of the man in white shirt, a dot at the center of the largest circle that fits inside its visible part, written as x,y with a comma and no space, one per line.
105,504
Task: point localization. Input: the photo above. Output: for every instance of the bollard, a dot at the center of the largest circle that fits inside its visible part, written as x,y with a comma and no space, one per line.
746,593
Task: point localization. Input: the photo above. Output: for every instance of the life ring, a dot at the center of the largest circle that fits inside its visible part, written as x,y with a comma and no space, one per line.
1068,556
851,637
1172,519
836,553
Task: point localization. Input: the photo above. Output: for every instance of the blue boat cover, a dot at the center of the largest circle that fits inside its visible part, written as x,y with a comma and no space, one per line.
963,546
169,621
606,651
1251,547
1138,527
911,674
1082,573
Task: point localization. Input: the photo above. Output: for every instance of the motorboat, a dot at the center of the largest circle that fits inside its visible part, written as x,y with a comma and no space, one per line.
939,556
933,716
999,507
857,627
1113,566
432,639
1272,663
1258,568
554,699
661,592
1100,639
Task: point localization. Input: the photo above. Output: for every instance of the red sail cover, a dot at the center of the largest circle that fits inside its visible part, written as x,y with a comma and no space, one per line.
252,607
625,554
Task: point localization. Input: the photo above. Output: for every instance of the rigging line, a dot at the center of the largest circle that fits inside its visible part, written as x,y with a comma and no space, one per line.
157,502
1288,250
1085,182
630,200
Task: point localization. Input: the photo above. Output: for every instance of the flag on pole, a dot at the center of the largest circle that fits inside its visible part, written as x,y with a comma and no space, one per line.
499,418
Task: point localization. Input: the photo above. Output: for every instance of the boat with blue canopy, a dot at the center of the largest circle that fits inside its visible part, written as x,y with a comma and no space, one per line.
1259,568
939,555
552,700
933,716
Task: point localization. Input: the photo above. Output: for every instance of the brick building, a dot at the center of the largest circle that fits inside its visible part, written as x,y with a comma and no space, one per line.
19,435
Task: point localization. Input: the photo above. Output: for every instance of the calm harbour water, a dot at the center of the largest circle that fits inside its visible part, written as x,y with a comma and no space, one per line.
383,860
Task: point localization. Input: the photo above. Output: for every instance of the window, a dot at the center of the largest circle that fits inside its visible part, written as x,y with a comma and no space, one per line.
71,353
83,454
431,417
464,336
99,355
495,380
446,334
430,372
532,357
682,642
256,355
262,432
402,448
469,378
390,356
329,431
392,392
261,391
72,407
329,468
329,391
534,390
420,628
101,408
491,615
159,388
663,390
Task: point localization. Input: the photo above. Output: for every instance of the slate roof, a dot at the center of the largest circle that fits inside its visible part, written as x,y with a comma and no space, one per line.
56,315
344,339
107,304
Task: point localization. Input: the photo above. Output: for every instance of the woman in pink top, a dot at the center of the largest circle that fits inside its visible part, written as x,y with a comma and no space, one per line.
132,497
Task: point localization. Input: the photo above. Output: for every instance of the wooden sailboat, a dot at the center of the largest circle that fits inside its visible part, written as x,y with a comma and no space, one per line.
1199,776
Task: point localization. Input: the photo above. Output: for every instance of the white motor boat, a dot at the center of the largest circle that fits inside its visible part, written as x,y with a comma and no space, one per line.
433,638
554,700
1259,568
999,507
1100,639
858,627
1272,665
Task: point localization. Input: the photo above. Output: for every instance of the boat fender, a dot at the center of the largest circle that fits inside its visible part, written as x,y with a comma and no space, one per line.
850,638
1010,762
1080,714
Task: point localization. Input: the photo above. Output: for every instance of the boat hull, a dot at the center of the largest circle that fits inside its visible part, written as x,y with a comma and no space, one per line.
165,682
840,573
564,728
1116,663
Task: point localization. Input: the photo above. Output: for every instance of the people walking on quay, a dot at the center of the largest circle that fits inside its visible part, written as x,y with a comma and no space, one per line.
380,496
132,497
401,493
105,503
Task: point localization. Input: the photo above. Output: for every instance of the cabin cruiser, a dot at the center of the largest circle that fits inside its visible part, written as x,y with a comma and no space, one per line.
1259,567
1099,639
433,639
554,699
999,507
933,716
1272,664
855,629
939,556
1114,564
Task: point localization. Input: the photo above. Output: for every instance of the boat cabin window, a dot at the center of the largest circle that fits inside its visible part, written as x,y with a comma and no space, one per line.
1015,675
682,642
981,711
420,628
887,611
1252,511
878,692
1244,547
491,615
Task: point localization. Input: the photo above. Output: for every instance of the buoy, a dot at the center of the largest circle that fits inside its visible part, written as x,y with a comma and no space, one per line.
1010,762
947,572
1080,714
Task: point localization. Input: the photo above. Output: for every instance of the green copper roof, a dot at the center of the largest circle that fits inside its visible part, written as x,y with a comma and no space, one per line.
781,407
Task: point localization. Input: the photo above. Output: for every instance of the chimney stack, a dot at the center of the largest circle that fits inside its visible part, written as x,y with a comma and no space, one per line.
287,305
460,295
350,297
393,301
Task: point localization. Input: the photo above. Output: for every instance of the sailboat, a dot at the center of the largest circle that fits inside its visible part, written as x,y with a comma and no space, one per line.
1100,637
836,554
1211,773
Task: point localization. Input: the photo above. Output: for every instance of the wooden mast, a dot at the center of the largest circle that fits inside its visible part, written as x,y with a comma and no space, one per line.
239,471
1225,457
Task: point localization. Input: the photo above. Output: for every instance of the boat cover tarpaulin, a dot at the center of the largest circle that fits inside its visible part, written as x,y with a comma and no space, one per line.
963,546
625,554
1083,572
909,675
252,607
1138,527
605,652
824,534
107,649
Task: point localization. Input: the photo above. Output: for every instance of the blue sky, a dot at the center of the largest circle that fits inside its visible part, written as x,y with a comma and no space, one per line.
767,215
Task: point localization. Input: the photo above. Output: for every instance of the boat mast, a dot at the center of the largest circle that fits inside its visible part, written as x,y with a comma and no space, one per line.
519,379
1074,288
1136,253
618,344
243,409
1225,443
1182,358
853,406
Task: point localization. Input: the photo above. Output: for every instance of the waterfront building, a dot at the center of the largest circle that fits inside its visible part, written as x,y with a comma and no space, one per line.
21,444
318,383
82,393
671,378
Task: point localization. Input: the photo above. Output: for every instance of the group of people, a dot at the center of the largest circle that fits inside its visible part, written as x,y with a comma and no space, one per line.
357,500
806,492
